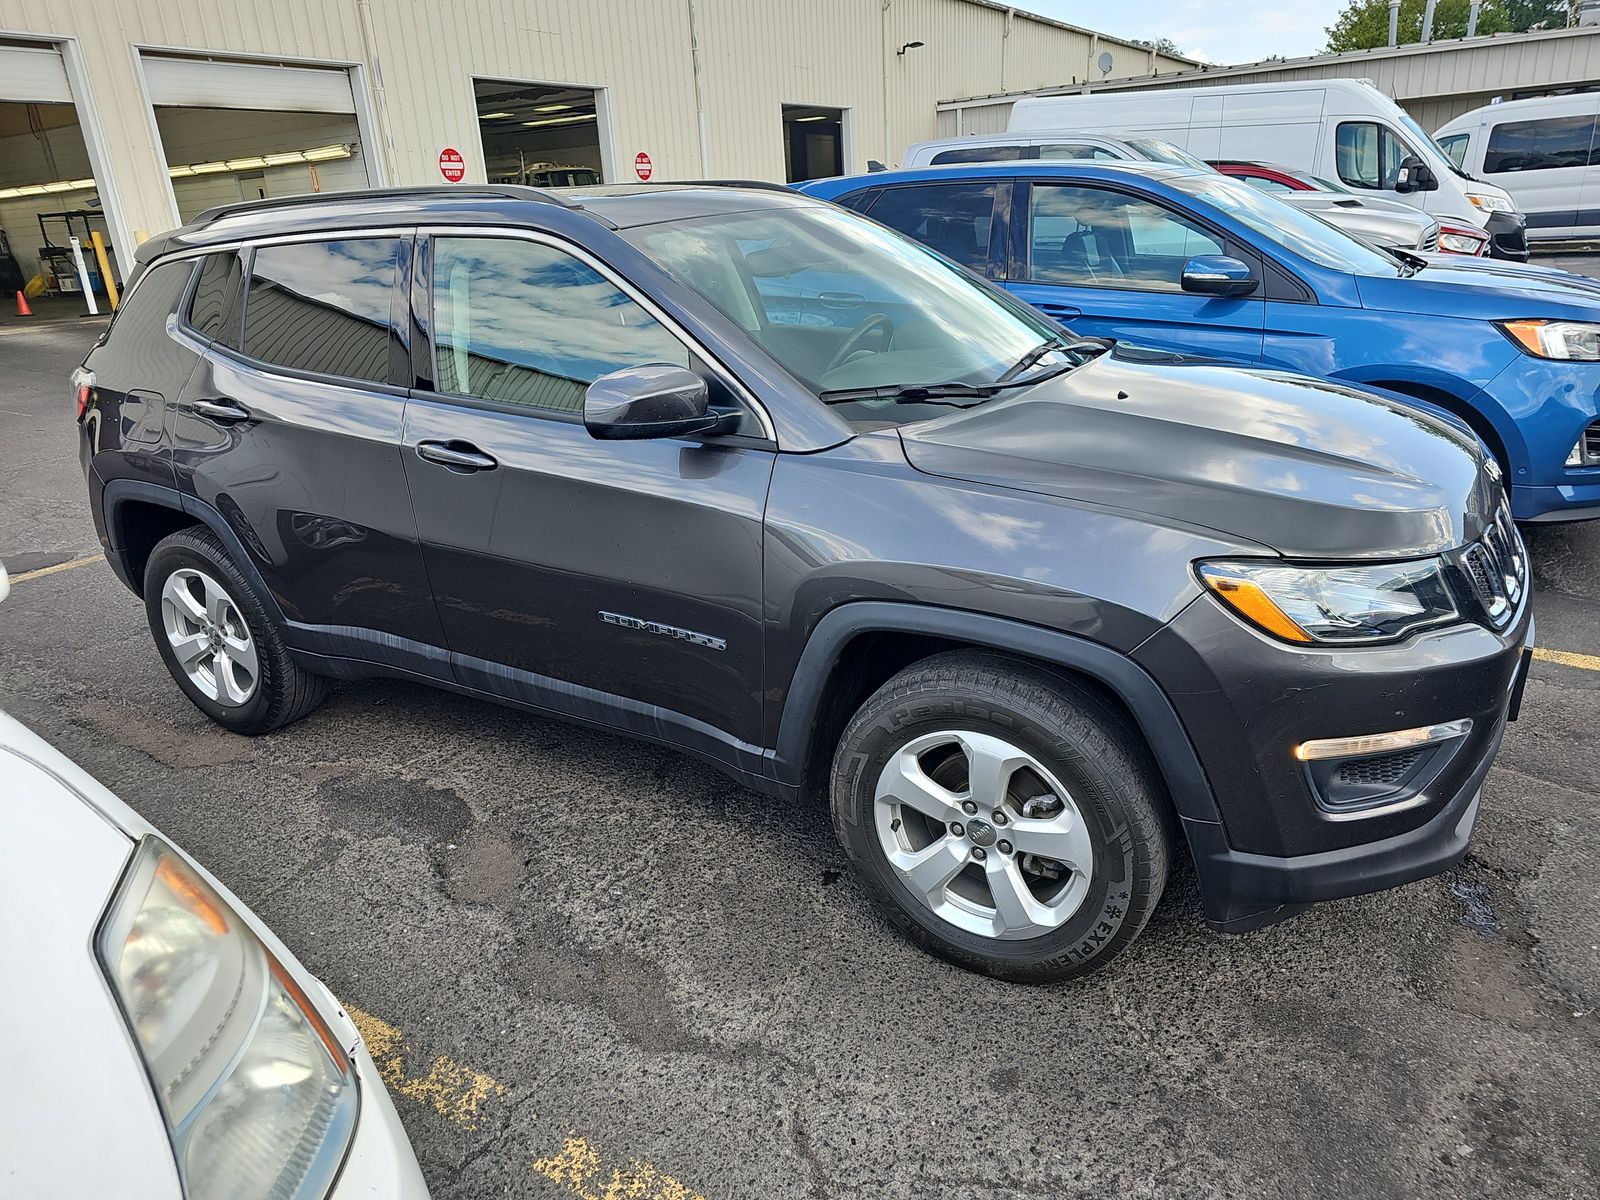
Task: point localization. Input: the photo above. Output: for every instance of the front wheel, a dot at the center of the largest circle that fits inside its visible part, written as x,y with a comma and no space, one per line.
1004,817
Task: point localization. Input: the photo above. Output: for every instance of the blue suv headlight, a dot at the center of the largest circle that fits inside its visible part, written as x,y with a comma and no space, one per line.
1572,341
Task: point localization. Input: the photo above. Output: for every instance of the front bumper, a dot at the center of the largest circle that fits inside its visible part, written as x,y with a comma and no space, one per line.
1508,236
1276,844
380,1162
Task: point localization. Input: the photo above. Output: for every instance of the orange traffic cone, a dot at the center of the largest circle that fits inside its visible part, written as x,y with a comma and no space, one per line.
22,306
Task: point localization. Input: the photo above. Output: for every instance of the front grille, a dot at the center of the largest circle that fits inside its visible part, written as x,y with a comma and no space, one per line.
1589,446
1383,771
1430,240
1497,565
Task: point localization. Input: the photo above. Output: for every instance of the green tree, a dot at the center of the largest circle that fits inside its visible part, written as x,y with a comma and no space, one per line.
1364,24
1162,45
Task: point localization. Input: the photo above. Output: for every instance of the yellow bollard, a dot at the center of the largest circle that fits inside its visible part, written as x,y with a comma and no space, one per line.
105,267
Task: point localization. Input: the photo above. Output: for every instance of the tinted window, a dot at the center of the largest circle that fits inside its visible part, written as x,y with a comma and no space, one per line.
1098,153
1455,147
953,218
1094,238
1369,155
138,343
973,154
859,201
323,307
524,323
1544,145
216,298
1265,183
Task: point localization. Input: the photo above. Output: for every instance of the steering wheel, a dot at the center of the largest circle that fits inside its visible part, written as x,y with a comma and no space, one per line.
853,341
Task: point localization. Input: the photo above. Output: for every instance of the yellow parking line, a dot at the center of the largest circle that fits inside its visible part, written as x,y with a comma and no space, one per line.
579,1169
453,1090
1567,658
70,565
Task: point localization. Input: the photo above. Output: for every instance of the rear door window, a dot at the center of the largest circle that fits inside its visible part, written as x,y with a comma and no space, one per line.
1549,144
978,154
326,308
952,218
1073,150
214,308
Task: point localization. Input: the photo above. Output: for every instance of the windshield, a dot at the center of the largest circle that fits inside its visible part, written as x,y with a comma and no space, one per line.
1440,153
1159,150
1301,232
843,303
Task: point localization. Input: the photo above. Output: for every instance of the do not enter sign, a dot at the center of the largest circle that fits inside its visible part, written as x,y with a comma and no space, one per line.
451,165
642,166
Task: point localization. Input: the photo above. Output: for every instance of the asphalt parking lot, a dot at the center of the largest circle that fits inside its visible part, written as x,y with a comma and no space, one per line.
595,969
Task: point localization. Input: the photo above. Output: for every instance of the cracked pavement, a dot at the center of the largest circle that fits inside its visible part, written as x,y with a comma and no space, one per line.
682,994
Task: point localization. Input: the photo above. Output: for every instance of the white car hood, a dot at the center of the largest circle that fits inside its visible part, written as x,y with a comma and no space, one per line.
79,1116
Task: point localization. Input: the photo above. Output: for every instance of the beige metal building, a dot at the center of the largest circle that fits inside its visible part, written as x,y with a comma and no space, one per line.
128,116
1434,82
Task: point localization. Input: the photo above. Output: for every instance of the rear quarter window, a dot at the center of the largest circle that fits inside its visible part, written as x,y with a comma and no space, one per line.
137,351
1548,144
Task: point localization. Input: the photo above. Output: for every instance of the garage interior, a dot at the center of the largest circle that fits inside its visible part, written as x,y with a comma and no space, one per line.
47,186
813,142
234,131
540,134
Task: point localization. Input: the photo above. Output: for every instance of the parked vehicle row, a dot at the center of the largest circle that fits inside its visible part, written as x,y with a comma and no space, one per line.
1338,129
741,472
1193,262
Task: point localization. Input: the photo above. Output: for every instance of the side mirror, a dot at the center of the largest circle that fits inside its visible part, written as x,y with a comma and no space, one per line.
656,400
1415,175
1218,275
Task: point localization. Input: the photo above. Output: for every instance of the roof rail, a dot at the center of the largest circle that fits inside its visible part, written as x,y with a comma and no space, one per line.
501,191
761,184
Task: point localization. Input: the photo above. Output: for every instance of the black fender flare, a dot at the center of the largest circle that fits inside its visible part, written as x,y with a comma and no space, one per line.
1153,713
119,492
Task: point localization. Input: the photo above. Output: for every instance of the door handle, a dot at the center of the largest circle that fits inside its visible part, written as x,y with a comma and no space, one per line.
458,456
1051,309
222,409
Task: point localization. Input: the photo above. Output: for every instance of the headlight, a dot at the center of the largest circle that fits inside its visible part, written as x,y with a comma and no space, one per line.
1355,605
1461,242
1573,341
259,1097
1491,203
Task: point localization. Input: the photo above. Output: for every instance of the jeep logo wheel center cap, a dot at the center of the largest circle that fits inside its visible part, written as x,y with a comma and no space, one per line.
980,832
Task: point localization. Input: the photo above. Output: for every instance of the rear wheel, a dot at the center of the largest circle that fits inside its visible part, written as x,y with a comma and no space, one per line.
217,640
1004,817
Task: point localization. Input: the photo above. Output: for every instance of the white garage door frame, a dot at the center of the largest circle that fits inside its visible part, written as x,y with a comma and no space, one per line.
94,139
602,116
374,154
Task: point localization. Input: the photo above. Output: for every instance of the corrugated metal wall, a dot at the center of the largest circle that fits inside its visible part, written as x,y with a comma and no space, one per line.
417,62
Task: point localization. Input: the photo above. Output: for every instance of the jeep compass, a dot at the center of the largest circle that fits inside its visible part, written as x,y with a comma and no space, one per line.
740,472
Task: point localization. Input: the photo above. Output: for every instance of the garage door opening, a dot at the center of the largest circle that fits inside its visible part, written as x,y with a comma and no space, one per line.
545,135
813,142
47,187
234,131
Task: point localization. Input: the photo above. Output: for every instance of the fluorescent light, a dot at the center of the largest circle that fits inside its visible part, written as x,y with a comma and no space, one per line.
551,107
494,116
211,168
246,164
41,189
818,118
576,120
180,172
324,153
285,159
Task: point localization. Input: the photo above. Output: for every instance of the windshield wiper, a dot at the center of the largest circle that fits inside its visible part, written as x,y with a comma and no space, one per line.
1407,259
1086,347
911,393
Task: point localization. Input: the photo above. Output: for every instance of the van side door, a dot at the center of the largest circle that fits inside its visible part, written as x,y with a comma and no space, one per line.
1108,262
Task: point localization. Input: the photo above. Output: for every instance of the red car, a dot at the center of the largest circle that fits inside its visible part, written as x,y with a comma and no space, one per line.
1455,236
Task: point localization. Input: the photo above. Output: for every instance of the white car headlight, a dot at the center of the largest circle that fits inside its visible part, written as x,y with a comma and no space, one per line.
1354,605
1488,203
1459,241
259,1097
1571,341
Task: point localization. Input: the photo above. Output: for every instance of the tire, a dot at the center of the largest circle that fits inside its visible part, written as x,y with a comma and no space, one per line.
1020,916
260,688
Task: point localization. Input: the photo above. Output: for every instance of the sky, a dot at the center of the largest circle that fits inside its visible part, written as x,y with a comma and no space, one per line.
1223,31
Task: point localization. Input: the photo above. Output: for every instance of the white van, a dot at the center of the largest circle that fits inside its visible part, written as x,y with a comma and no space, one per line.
1543,152
1342,129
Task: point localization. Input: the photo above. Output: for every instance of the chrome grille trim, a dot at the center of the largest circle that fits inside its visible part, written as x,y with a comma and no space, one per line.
1590,445
1497,566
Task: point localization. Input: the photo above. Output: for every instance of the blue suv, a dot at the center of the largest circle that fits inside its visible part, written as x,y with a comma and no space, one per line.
1192,261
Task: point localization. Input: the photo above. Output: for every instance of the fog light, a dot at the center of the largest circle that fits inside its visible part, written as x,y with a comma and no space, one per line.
1381,743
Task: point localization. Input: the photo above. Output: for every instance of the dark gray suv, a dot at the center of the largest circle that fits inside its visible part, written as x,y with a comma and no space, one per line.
740,472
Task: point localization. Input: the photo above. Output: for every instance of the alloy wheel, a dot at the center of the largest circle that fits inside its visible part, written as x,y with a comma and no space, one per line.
983,834
209,637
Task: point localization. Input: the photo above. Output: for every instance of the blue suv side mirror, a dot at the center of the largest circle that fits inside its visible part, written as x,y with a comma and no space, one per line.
1218,275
